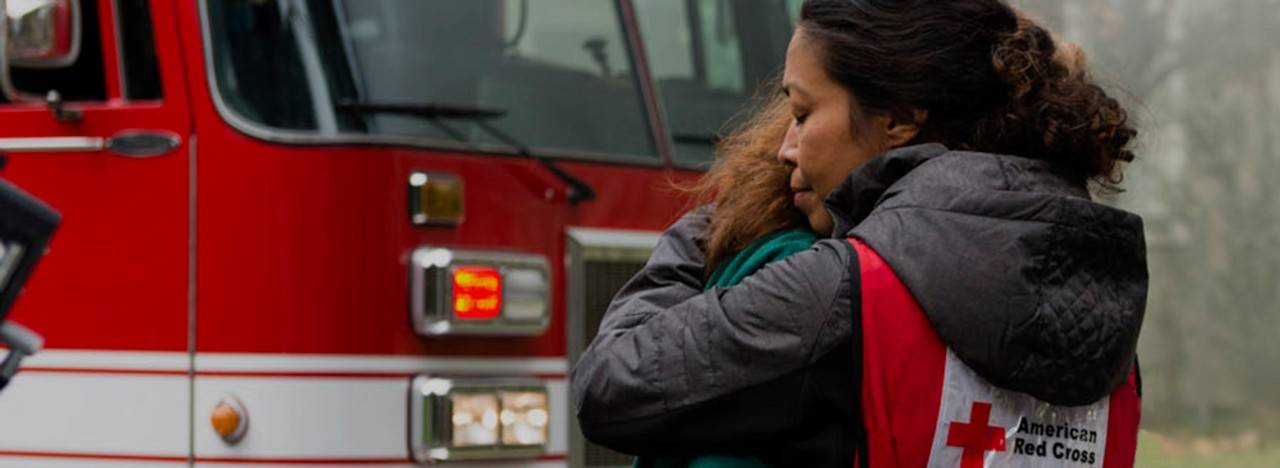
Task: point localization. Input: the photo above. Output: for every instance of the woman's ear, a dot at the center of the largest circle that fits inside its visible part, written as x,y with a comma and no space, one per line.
899,132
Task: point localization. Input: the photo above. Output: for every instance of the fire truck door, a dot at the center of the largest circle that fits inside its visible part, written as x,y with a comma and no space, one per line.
111,298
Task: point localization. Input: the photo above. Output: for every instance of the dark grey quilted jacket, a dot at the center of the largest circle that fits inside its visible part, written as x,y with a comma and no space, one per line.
1032,284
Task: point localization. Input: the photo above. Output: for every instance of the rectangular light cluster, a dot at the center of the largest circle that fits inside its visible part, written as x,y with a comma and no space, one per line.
453,419
478,293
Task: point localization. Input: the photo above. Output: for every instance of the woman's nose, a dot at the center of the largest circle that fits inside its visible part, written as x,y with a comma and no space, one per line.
789,150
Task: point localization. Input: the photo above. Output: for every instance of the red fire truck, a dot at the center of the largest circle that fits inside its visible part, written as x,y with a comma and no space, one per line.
346,232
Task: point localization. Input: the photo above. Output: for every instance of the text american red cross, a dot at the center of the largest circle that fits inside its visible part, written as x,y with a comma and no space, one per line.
976,437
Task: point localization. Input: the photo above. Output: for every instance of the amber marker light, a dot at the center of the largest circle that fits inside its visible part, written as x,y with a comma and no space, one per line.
477,292
230,420
435,199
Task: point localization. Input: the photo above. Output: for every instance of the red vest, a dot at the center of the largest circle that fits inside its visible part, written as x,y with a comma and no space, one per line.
921,406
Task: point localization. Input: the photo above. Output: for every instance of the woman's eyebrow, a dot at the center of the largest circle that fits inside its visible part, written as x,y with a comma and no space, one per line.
788,88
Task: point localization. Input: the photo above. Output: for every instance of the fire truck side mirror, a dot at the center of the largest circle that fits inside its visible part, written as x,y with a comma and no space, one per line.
37,34
26,226
42,33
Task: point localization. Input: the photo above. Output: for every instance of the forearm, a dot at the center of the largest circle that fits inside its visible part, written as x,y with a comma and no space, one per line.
740,422
665,345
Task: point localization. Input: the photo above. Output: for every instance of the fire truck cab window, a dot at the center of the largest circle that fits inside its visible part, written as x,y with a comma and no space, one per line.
707,57
140,69
553,76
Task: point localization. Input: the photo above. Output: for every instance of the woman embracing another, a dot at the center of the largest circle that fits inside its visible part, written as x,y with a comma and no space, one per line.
966,302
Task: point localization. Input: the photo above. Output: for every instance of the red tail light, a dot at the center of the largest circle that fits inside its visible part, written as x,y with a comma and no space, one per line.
477,292
461,292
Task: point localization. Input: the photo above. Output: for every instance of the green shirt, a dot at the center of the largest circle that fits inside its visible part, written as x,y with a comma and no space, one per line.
762,251
765,250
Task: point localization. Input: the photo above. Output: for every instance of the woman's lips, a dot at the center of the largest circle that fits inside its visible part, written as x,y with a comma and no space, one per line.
803,197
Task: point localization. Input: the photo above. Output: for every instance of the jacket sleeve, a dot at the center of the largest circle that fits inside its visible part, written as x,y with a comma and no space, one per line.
669,357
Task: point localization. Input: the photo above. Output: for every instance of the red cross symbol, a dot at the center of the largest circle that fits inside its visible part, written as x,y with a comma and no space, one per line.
976,437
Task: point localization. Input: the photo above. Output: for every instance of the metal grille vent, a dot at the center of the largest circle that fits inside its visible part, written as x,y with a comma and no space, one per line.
600,262
603,279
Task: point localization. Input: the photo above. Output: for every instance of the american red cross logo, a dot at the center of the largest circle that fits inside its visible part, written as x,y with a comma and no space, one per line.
976,437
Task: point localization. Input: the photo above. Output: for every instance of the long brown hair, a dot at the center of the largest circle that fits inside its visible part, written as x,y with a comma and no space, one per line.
748,185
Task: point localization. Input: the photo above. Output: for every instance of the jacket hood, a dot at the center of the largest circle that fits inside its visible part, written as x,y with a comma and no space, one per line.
1028,281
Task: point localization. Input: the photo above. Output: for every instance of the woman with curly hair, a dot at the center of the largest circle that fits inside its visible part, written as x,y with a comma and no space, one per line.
967,304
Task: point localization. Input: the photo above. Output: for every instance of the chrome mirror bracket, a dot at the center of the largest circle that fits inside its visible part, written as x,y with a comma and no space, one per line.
57,107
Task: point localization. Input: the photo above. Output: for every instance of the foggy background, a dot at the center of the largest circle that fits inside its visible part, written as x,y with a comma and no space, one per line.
1202,81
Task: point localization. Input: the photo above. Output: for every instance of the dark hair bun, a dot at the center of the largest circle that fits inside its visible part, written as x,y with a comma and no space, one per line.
1055,111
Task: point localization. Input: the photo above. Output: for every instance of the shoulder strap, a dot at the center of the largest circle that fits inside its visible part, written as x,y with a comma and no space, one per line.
855,320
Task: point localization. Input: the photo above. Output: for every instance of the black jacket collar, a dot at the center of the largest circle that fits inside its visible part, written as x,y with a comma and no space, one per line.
859,194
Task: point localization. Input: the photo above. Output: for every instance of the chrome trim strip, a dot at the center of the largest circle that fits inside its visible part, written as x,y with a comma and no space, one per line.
299,18
644,78
51,144
293,137
279,363
192,193
101,359
344,29
417,416
575,306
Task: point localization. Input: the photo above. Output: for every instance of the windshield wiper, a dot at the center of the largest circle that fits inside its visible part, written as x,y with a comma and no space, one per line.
705,139
578,190
432,113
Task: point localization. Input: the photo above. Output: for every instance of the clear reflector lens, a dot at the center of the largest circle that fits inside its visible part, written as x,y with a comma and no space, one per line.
525,294
475,419
524,418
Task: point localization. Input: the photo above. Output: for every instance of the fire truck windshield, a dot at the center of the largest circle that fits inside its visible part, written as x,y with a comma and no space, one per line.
559,71
557,74
707,57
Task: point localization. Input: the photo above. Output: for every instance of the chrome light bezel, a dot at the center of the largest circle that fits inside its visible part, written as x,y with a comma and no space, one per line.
431,425
431,292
